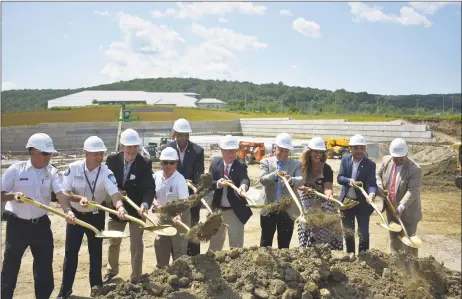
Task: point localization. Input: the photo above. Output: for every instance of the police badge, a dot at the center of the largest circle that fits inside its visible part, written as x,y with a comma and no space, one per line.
112,178
67,172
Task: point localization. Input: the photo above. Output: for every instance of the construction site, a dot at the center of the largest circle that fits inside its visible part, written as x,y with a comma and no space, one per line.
254,272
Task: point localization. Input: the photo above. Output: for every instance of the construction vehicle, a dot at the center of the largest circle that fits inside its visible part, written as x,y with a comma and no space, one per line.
336,147
251,152
458,148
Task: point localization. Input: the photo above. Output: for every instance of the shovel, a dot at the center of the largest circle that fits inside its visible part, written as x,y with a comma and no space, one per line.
99,234
341,205
392,226
162,230
411,241
194,189
294,197
252,203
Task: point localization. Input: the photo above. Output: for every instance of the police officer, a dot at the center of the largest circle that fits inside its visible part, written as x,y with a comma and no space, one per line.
190,165
133,174
28,225
89,180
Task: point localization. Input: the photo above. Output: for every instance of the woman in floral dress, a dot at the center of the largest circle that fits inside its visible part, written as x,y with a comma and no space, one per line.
318,176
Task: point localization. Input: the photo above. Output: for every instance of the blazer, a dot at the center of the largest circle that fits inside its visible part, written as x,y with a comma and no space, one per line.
238,174
408,187
268,167
193,164
365,174
140,186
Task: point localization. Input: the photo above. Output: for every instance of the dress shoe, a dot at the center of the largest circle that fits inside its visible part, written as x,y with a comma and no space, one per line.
108,277
65,296
96,291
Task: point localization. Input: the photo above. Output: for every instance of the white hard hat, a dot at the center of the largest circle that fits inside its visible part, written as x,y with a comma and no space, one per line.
168,154
398,148
94,144
316,143
130,137
357,140
182,126
284,140
229,143
42,142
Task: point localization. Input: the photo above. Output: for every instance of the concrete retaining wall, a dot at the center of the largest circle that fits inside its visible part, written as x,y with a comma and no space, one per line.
73,135
373,131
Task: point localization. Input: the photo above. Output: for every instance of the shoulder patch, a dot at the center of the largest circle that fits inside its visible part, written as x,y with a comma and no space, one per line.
112,178
67,171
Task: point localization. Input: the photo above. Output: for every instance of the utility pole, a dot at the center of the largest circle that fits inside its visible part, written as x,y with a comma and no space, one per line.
335,100
443,104
377,109
417,112
245,96
281,105
452,107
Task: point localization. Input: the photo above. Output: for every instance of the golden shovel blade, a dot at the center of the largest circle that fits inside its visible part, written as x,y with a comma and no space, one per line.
392,226
414,241
110,234
169,231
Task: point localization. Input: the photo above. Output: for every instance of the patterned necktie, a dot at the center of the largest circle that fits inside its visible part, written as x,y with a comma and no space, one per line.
392,196
279,182
226,171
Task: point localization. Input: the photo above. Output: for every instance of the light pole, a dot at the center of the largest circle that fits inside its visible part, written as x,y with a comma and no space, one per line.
443,104
452,107
377,105
417,112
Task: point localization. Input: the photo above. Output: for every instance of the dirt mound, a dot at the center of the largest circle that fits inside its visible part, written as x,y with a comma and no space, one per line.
294,273
439,174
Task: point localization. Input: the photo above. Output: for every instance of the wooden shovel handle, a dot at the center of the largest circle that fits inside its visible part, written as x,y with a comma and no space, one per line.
30,201
194,189
229,183
292,193
181,223
393,211
136,207
114,212
360,188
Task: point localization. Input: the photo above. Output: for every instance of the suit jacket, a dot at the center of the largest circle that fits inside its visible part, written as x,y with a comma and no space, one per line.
238,174
365,174
193,164
268,167
408,187
139,189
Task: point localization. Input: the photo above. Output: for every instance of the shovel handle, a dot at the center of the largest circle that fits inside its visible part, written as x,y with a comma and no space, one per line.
194,189
294,197
360,188
57,212
229,183
136,207
393,211
181,223
114,212
331,199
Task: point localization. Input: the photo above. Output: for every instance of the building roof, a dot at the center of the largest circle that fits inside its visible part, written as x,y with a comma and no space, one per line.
210,101
85,98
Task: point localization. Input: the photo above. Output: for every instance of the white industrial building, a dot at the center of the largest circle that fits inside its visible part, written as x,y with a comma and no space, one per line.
92,97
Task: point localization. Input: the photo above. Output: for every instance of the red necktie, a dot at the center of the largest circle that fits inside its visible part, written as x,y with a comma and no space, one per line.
392,186
226,171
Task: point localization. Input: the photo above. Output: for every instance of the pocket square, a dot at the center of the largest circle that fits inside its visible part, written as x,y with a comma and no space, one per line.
132,176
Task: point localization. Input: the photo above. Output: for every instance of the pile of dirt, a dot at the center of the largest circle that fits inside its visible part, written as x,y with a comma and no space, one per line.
439,174
294,273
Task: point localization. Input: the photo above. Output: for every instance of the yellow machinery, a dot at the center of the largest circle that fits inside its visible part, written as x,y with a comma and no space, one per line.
336,147
458,148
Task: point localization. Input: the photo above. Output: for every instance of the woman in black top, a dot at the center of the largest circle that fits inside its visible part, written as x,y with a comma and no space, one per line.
318,176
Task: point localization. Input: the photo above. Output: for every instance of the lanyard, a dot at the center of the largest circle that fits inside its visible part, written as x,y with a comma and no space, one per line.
88,182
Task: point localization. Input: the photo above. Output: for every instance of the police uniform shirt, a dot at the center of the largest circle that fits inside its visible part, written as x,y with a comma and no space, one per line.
74,180
171,189
34,183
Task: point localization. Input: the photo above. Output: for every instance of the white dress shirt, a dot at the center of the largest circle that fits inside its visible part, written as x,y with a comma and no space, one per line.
351,192
171,189
182,153
34,183
74,180
224,198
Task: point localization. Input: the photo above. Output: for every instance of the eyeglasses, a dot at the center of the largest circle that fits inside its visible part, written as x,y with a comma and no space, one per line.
45,153
168,162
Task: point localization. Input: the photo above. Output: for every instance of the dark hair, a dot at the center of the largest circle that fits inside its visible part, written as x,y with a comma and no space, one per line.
306,161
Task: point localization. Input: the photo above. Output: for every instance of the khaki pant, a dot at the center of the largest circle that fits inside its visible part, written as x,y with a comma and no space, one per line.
235,230
175,246
136,248
395,243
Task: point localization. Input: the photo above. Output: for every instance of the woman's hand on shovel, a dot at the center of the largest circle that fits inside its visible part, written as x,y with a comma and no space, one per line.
305,189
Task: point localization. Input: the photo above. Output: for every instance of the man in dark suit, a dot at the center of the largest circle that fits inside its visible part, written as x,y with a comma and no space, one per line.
233,206
190,165
133,174
356,167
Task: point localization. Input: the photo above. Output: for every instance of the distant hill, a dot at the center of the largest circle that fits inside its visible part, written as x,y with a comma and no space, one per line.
253,97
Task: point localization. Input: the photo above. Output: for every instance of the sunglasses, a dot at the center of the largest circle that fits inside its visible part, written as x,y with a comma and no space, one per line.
45,153
168,162
357,147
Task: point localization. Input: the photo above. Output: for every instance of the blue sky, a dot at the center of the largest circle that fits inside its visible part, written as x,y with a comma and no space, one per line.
383,48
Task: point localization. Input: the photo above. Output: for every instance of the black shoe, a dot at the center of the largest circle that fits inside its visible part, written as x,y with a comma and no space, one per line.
108,277
65,296
96,291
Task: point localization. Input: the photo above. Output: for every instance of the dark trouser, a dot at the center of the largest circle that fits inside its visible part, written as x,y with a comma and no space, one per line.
284,225
21,234
74,236
194,248
361,212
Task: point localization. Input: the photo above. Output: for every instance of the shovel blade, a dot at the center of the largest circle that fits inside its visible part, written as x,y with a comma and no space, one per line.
393,228
110,234
169,231
408,242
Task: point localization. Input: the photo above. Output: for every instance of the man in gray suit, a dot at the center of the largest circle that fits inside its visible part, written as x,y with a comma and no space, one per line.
401,176
274,189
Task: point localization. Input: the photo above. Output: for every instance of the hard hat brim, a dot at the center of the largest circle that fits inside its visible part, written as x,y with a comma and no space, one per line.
130,143
394,155
95,150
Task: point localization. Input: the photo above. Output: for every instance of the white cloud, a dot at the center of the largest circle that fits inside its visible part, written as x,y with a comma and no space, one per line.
407,16
307,28
102,13
157,14
430,8
285,12
290,66
223,20
9,85
150,50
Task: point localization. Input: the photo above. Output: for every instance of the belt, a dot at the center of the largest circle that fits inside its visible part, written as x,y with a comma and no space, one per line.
225,208
33,220
85,213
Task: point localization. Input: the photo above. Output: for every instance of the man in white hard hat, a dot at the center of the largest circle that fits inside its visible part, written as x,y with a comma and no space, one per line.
88,180
274,189
170,186
27,225
133,174
401,177
233,206
356,167
190,165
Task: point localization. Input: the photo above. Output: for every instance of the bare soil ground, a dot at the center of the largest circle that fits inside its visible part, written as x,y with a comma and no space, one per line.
440,230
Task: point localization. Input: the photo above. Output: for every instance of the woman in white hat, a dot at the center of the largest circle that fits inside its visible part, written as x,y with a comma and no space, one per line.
318,176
